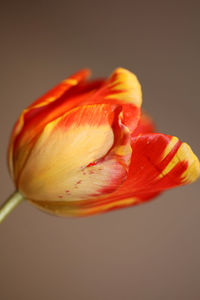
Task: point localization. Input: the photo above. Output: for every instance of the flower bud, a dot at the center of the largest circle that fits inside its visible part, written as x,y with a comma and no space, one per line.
84,148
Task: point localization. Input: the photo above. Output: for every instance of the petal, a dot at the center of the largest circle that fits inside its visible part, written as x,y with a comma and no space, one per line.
125,87
122,88
34,118
78,156
159,162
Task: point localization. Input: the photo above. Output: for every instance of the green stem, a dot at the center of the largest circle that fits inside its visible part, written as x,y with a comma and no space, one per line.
10,204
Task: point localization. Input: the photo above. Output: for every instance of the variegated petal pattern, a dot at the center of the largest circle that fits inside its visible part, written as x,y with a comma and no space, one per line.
85,148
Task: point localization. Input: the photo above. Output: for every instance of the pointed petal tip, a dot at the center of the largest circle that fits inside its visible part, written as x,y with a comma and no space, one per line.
192,172
184,156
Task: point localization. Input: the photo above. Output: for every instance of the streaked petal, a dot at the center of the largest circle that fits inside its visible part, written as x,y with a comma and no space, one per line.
161,162
35,117
68,161
158,162
122,88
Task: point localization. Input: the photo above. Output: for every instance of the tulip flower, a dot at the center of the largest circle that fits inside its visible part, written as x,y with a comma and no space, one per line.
85,148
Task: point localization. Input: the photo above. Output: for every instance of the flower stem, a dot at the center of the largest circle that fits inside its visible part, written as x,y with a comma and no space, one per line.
10,204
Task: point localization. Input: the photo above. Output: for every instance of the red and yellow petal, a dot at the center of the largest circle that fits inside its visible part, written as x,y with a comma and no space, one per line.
125,88
122,88
77,156
159,162
35,117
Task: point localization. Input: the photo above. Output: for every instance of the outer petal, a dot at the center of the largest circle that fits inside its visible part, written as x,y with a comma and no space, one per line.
166,160
78,156
158,162
34,118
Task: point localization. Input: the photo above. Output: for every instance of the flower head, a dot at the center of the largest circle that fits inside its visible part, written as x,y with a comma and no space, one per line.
85,148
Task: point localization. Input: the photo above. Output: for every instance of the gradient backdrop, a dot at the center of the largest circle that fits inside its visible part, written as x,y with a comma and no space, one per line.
147,252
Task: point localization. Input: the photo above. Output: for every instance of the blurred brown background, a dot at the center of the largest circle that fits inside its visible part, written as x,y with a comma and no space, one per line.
145,252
